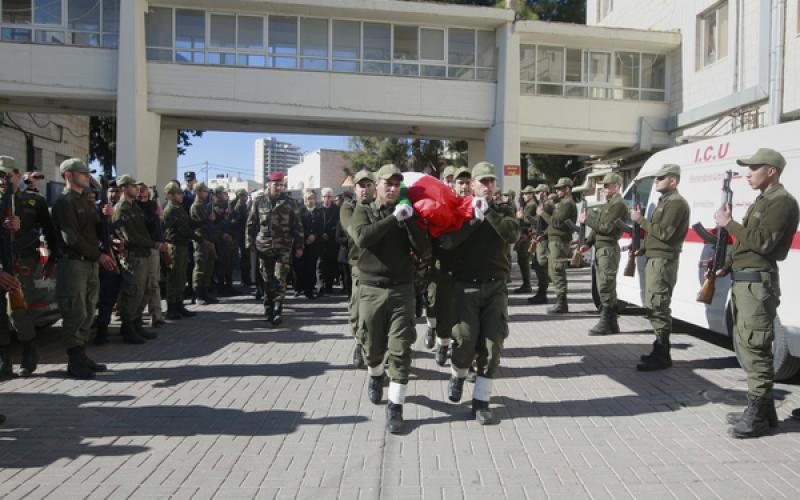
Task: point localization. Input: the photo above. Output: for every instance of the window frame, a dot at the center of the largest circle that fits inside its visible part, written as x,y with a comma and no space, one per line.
67,35
701,31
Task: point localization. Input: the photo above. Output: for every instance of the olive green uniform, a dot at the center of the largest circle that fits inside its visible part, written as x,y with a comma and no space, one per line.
665,231
135,270
560,221
386,286
524,242
77,279
178,234
605,239
345,218
225,243
203,257
542,252
762,239
441,306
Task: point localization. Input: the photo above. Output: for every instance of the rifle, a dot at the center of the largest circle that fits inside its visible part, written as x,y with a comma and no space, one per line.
539,236
160,230
105,228
577,257
636,235
15,297
720,242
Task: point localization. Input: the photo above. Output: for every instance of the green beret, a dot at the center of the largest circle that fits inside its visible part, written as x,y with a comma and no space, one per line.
74,165
7,164
172,187
483,170
363,175
669,169
388,171
764,156
612,178
542,188
528,189
448,171
124,180
200,186
461,172
564,182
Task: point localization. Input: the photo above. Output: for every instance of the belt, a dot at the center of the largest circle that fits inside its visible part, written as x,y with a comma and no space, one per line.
749,276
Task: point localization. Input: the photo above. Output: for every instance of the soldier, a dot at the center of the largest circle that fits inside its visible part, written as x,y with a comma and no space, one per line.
448,177
136,269
385,237
240,211
110,280
313,226
665,231
605,238
179,235
34,221
224,241
559,214
274,230
539,233
525,213
762,240
481,265
152,216
31,180
329,251
202,218
8,281
77,282
189,195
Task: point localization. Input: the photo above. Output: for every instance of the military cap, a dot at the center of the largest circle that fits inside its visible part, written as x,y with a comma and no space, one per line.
219,190
242,192
765,156
173,188
388,171
448,171
276,176
462,171
668,169
542,188
7,164
74,165
612,178
528,189
124,180
189,176
564,182
200,186
483,170
363,175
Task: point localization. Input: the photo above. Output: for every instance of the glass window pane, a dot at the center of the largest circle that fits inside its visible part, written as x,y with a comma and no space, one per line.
83,15
550,64
549,89
487,52
284,62
158,27
527,63
252,60
627,69
83,38
432,44
627,94
345,66
596,93
111,16
574,65
434,71
223,31
111,41
46,12
652,95
377,41
489,75
190,29
371,67
282,35
43,36
406,69
16,34
653,71
710,37
227,58
346,39
722,20
314,64
527,89
599,63
251,32
405,43
188,56
159,55
461,73
461,47
576,91
16,12
314,37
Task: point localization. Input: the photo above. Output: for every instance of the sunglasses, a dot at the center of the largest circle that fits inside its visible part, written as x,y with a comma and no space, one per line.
661,178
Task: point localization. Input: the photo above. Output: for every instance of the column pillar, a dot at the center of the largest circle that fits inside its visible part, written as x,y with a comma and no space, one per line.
476,151
167,158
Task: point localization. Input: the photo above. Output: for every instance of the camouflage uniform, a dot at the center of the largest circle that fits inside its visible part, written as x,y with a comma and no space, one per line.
178,235
203,254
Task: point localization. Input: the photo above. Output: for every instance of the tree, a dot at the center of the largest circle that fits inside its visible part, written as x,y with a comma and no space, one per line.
415,154
185,139
549,168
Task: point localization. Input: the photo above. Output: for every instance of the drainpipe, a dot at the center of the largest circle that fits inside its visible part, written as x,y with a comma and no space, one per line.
776,63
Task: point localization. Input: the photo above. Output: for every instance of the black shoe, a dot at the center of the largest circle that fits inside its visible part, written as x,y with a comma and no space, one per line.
659,359
539,298
645,357
523,289
472,375
612,319
482,413
173,312
145,334
375,389
268,311
560,306
418,307
734,418
6,368
277,311
358,357
430,338
76,365
95,367
755,421
101,335
394,418
455,389
441,355
129,335
185,312
603,326
30,360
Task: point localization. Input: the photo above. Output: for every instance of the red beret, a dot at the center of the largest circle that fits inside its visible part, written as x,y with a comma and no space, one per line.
276,176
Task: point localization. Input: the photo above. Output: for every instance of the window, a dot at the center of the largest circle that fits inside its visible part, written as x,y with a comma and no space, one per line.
574,74
486,60
47,12
712,36
604,8
282,42
550,70
222,35
431,52
251,33
346,46
158,33
654,77
377,47
111,23
314,44
461,54
527,69
406,48
598,74
16,11
190,36
627,67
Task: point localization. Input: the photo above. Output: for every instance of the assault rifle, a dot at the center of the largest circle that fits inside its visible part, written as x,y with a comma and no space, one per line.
636,235
15,297
577,257
720,242
105,228
539,236
159,229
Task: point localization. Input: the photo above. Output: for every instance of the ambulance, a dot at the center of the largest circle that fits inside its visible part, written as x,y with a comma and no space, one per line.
703,167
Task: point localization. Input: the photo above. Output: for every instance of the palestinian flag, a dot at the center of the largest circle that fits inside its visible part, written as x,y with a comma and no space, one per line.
435,203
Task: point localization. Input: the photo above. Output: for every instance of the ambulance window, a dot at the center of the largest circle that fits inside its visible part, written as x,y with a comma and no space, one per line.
645,187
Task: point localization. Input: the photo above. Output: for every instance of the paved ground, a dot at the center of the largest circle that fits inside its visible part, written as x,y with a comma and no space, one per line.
223,406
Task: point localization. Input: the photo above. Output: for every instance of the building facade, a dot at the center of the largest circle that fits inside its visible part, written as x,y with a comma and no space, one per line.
234,184
319,169
272,155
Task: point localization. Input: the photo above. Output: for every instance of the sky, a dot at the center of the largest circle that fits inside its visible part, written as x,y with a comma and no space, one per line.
233,152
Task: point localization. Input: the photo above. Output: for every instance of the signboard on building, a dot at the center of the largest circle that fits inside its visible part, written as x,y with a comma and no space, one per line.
511,170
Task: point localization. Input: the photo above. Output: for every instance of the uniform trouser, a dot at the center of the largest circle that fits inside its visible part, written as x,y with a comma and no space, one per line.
481,325
344,271
660,277
223,269
110,284
154,292
176,277
386,324
557,261
606,265
541,263
133,295
524,261
203,267
352,305
5,327
77,288
22,320
754,310
190,251
440,302
275,268
244,261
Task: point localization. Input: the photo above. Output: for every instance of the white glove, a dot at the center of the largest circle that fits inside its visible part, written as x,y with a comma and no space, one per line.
479,207
403,212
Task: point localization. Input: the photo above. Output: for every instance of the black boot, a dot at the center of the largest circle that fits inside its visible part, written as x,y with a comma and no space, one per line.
603,327
612,319
540,297
560,306
173,312
277,311
358,357
101,335
183,311
430,337
140,330
30,359
645,357
2,419
525,288
201,298
660,359
772,415
95,367
455,388
129,334
6,368
76,365
375,389
441,354
394,418
755,421
482,413
269,312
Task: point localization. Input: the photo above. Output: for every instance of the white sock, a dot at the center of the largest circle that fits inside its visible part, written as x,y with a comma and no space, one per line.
376,371
397,393
444,342
483,389
431,322
458,372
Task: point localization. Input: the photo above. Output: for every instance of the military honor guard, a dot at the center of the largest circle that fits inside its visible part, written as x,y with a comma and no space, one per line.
205,253
560,213
178,235
540,252
525,214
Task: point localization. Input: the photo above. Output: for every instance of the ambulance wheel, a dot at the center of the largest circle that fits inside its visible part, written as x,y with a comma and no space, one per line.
784,364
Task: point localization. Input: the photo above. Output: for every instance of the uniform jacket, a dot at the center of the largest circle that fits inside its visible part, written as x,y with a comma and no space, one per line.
76,220
603,221
561,218
667,227
274,224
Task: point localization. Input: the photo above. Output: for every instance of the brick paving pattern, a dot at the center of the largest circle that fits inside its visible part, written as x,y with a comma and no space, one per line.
224,406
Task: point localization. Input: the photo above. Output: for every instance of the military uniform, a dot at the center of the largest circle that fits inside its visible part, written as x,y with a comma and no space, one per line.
560,219
481,265
665,232
224,242
605,239
762,240
7,166
153,293
204,251
522,245
539,233
179,236
240,211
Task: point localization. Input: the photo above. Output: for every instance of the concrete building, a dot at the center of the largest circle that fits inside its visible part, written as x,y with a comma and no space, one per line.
629,83
233,184
321,168
272,155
